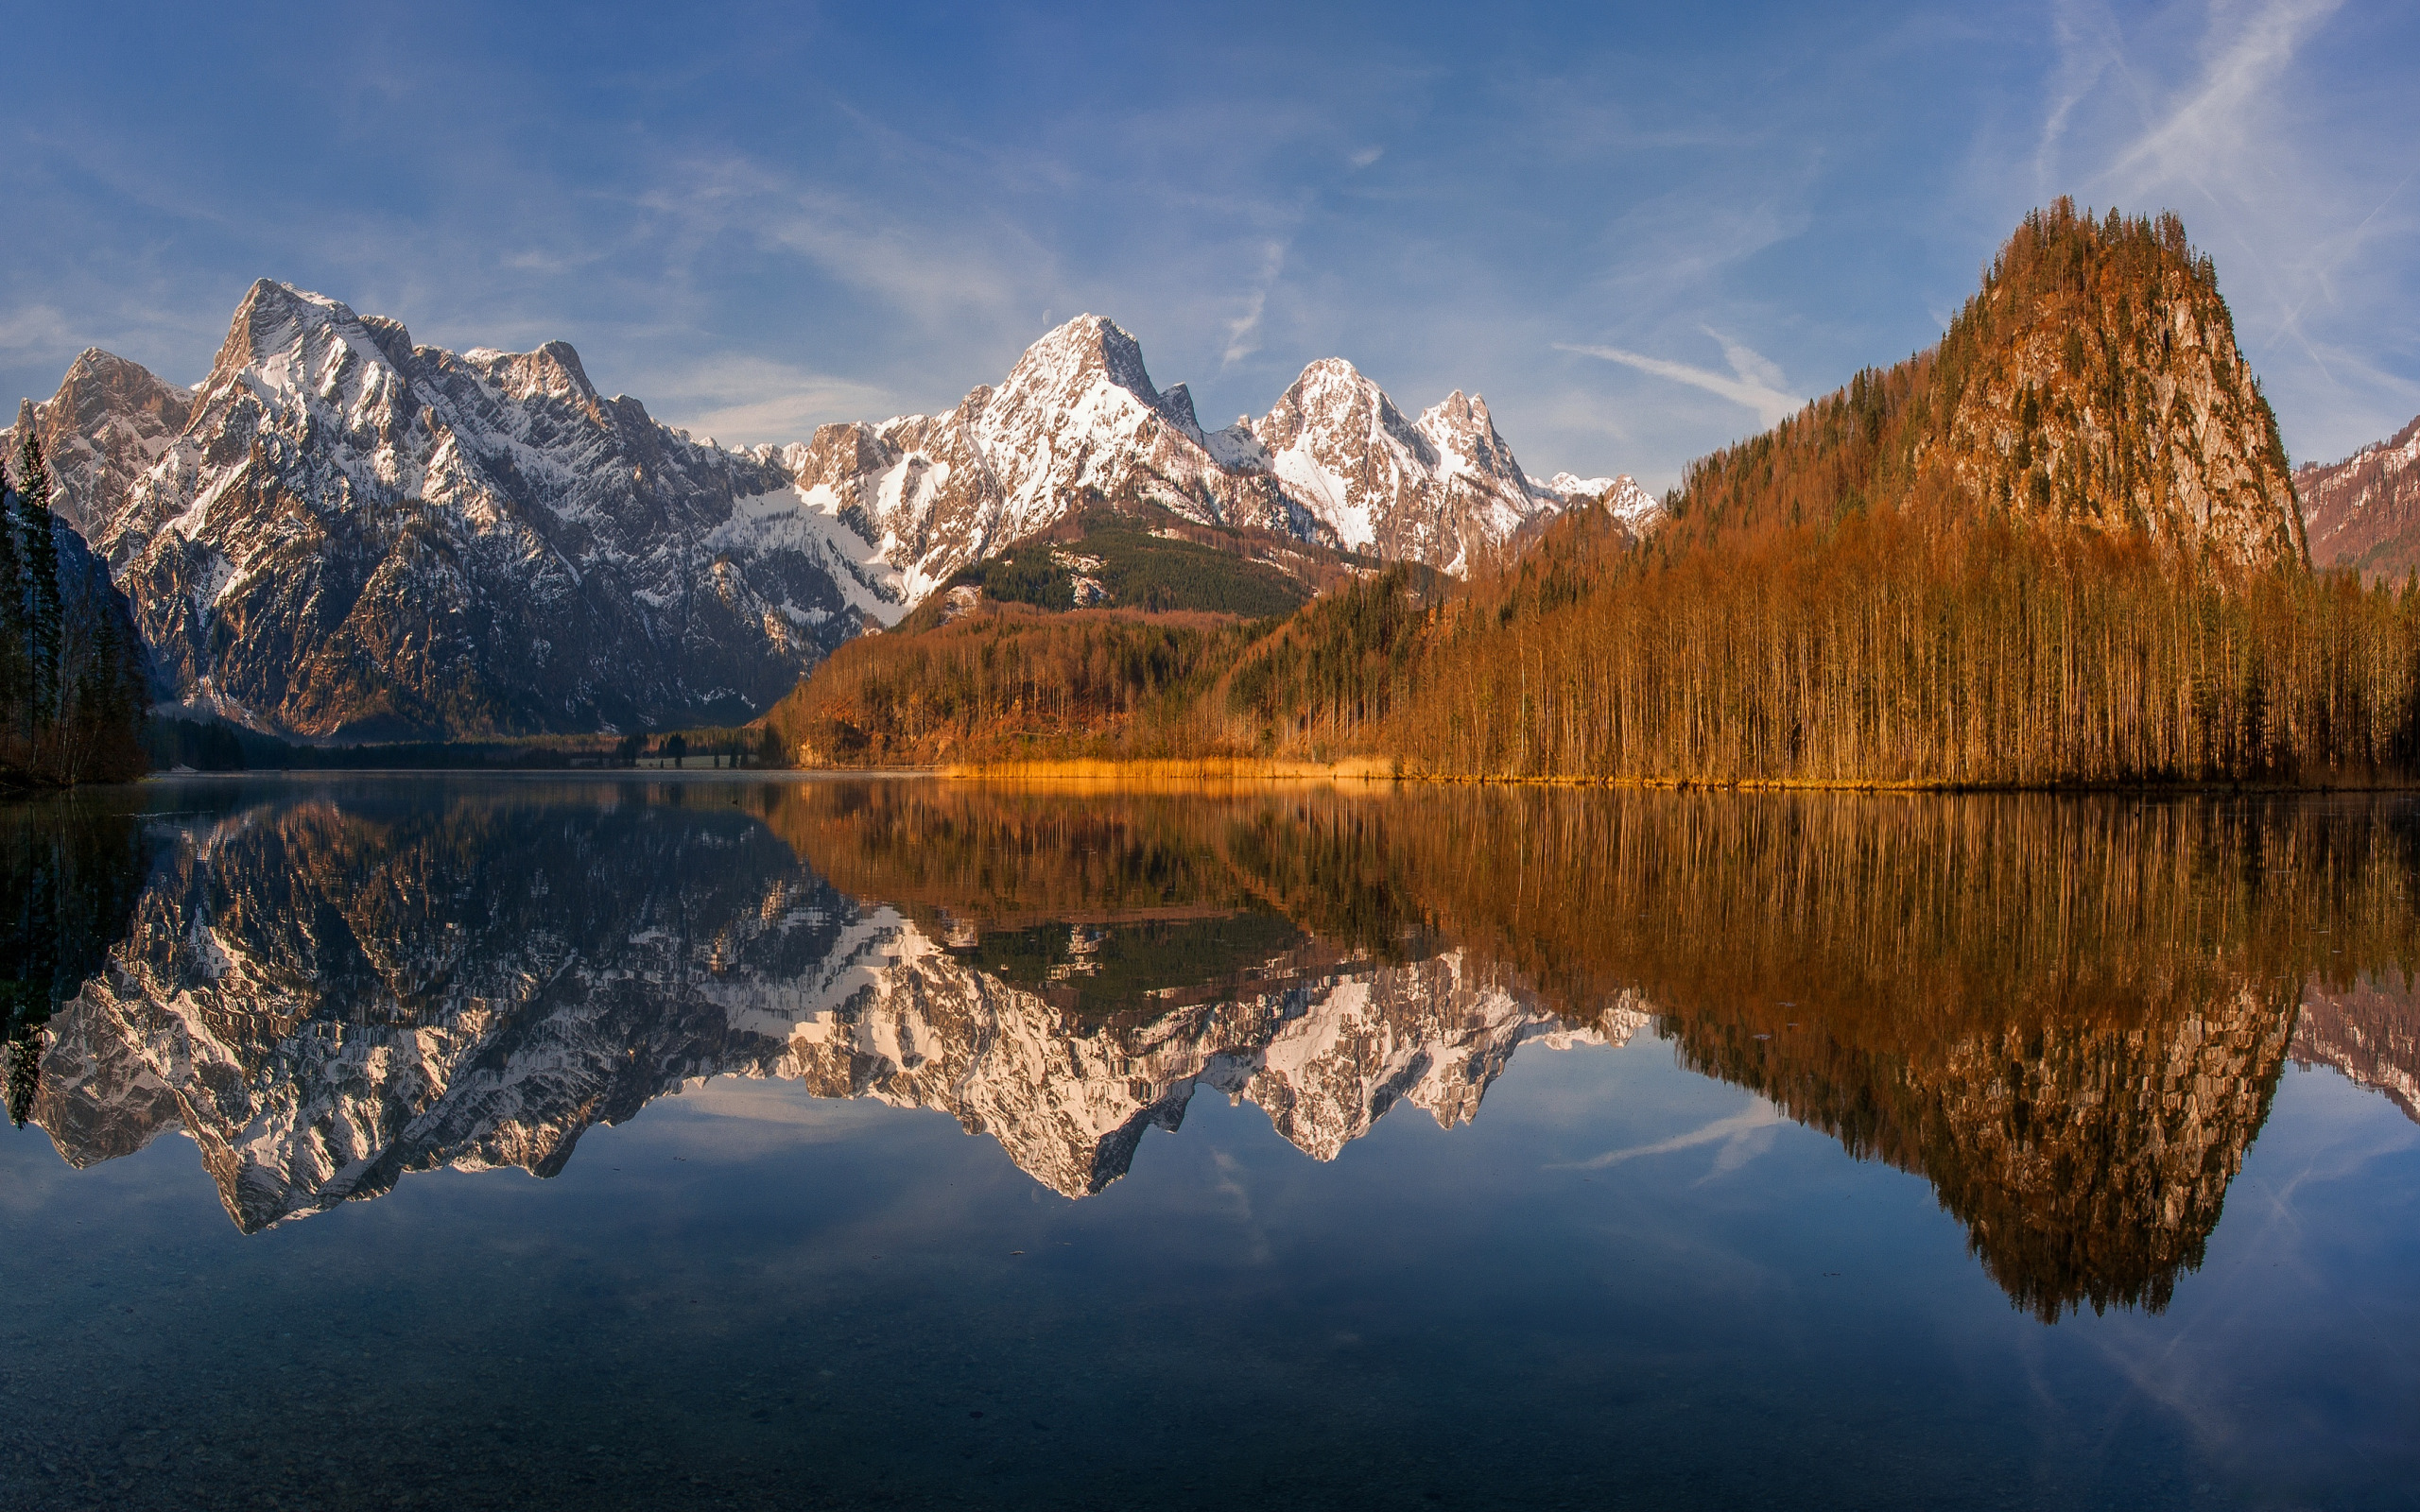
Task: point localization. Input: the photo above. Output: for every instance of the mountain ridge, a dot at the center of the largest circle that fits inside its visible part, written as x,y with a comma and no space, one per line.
340,534
2363,512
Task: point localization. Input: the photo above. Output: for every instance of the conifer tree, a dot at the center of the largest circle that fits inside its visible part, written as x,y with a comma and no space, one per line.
12,597
13,614
14,711
23,1076
40,569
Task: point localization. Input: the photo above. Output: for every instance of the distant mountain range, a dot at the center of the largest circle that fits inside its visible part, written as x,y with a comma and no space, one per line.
2364,511
341,534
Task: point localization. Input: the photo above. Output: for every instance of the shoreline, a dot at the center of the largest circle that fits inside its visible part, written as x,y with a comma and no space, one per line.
1372,770
1177,773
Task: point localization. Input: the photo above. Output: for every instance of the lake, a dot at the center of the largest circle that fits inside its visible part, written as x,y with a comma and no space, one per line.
715,1141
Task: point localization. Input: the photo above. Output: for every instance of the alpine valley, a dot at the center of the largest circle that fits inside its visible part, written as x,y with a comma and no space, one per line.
340,535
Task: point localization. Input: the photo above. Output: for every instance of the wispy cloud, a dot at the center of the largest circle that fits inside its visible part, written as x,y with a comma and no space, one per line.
1743,1136
1243,333
2204,136
2226,112
1754,381
41,327
2088,47
937,271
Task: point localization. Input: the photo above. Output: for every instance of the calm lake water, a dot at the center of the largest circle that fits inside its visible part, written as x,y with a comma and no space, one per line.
719,1142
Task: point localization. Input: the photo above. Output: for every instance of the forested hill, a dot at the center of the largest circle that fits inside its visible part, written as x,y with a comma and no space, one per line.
2093,381
2062,547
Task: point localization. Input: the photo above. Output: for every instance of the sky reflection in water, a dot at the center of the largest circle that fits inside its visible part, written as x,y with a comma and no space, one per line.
1646,1273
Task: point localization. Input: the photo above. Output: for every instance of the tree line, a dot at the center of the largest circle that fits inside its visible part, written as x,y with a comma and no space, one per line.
72,686
1878,649
1011,681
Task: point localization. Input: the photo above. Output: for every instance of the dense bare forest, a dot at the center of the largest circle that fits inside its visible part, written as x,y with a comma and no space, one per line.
1011,680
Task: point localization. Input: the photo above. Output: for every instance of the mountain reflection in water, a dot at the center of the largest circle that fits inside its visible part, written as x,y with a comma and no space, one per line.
2068,1014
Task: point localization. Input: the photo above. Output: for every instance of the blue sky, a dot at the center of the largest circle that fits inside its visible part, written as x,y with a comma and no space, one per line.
1641,231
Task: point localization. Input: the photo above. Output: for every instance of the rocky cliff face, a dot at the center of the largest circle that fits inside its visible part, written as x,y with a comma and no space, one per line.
342,534
2096,380
327,996
111,423
2364,511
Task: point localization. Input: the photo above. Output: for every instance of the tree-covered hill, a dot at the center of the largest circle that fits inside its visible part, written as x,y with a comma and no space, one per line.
2061,547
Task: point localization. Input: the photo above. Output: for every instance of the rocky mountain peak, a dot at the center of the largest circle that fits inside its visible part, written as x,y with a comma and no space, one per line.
1456,409
1075,355
551,371
342,534
109,421
1463,430
2364,511
1446,490
275,320
1176,402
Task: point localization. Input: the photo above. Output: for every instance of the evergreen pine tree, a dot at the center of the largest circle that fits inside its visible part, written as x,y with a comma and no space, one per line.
23,1076
13,606
12,571
40,549
12,616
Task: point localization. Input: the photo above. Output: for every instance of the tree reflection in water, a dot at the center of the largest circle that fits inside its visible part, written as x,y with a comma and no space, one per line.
71,870
2067,1014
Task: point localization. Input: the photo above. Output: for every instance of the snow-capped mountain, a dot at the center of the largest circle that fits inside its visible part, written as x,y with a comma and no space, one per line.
340,533
1636,508
2364,511
1078,421
1444,490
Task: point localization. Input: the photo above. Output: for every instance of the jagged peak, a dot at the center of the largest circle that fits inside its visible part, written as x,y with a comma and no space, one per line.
1460,427
552,369
391,338
98,384
1460,411
270,306
273,324
94,362
1329,382
1176,402
1088,343
1328,375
